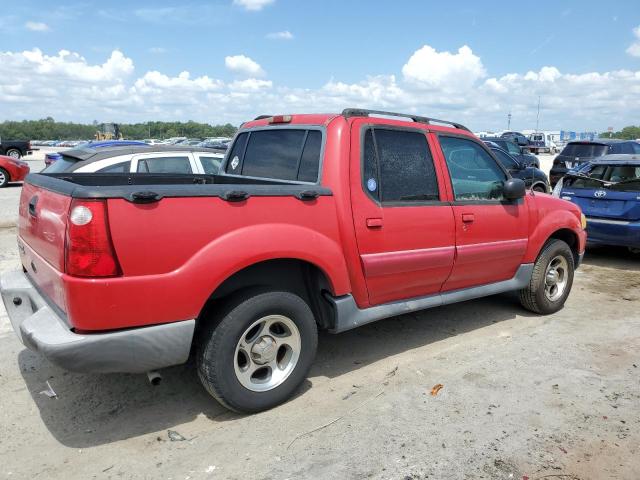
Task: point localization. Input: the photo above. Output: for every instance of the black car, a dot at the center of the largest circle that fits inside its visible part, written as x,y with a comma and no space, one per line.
521,153
578,153
533,177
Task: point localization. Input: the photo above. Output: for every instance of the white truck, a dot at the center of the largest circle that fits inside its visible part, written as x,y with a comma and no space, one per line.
541,142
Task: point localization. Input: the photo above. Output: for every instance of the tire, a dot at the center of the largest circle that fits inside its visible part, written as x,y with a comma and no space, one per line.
243,338
14,153
539,296
4,178
539,188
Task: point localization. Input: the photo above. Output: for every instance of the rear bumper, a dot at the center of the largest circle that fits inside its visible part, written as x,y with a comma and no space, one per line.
601,231
135,350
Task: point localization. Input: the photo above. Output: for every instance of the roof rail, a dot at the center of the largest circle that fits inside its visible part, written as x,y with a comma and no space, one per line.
262,117
363,112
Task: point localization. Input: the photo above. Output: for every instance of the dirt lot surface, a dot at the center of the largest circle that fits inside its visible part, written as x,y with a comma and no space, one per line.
523,396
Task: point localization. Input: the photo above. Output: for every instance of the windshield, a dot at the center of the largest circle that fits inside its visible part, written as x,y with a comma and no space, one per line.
61,165
585,150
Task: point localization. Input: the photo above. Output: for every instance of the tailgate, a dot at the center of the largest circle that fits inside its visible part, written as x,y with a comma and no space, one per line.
606,203
41,237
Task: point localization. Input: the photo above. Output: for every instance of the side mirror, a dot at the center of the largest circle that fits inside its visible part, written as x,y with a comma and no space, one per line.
513,189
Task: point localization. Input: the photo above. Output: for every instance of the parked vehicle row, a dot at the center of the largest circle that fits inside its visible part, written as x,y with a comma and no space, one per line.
521,153
311,222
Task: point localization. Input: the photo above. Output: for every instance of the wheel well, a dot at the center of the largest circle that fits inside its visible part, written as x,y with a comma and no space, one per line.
570,238
297,276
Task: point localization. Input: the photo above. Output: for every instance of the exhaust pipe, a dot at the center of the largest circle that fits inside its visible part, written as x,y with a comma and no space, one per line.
154,378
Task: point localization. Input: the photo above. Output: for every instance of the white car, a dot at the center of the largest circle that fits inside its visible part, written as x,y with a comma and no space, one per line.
139,159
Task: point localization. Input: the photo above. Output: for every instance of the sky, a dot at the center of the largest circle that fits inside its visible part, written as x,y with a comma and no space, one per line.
222,61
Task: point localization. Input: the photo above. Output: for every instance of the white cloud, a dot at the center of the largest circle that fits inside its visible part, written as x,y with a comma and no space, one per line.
432,69
634,48
253,5
250,85
284,35
68,87
37,26
244,66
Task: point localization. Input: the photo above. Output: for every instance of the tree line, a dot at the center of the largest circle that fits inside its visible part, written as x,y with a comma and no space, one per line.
627,133
49,129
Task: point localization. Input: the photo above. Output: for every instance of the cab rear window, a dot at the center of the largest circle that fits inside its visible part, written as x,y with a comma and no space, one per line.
278,153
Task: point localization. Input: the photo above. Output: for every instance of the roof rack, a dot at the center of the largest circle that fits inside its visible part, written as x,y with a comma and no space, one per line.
362,112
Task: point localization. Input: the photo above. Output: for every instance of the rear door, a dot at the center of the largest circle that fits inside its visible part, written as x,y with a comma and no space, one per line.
491,232
403,223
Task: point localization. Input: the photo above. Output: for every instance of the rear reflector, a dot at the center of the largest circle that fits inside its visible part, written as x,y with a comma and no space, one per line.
89,251
280,119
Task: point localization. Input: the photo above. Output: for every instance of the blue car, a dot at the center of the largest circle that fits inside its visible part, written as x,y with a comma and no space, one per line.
49,158
608,192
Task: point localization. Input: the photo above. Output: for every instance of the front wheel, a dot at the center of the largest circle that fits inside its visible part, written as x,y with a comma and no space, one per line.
551,280
14,153
258,351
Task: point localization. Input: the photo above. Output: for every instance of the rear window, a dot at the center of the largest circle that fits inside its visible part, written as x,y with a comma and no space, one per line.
279,153
585,150
63,164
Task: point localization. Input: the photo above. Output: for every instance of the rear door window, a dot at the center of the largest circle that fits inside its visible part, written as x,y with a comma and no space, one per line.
122,167
177,164
210,165
398,166
280,153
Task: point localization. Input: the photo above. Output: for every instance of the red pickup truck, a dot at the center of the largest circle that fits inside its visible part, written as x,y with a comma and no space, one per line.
314,222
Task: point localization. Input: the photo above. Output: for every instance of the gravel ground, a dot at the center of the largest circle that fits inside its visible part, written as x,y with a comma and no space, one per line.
523,396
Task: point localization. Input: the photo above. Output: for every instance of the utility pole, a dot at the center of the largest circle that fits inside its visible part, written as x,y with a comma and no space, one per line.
509,121
538,114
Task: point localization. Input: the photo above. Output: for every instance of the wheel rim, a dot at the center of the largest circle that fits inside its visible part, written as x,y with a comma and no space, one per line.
556,278
3,178
267,353
14,154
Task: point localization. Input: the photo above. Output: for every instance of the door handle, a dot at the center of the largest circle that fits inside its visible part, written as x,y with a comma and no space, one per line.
468,217
374,222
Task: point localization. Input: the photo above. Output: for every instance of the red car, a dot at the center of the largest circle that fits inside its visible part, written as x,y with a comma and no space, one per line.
12,170
314,222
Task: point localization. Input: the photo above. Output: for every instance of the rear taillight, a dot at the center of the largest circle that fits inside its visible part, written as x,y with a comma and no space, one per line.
89,251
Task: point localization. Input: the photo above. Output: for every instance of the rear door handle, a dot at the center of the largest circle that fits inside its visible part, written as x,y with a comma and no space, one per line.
374,222
468,217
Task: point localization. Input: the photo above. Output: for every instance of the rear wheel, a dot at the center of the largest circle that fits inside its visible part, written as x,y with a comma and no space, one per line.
258,351
551,280
14,153
539,188
4,178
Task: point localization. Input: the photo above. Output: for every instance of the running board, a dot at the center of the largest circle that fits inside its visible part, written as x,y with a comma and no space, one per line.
349,316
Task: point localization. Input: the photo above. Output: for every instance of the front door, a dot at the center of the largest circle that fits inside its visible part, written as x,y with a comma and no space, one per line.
491,232
404,228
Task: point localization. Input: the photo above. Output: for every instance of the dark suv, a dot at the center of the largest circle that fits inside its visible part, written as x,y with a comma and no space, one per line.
521,153
575,154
